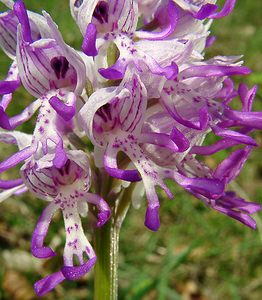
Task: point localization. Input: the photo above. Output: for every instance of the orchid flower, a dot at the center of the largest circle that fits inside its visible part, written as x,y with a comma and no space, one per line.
8,42
66,189
103,23
113,119
46,73
146,97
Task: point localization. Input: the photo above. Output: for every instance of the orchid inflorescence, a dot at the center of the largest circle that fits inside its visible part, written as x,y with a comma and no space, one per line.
140,88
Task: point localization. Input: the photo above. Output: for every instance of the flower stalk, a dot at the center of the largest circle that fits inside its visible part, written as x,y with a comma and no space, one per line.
106,242
106,268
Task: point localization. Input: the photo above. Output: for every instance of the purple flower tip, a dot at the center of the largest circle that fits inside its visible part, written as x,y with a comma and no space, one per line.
60,159
44,252
21,13
7,87
152,221
74,273
64,111
4,120
48,283
89,42
103,218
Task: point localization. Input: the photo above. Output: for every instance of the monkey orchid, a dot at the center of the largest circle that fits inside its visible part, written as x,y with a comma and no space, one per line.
130,111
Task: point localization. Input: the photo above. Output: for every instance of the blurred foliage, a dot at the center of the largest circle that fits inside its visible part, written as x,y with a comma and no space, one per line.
197,253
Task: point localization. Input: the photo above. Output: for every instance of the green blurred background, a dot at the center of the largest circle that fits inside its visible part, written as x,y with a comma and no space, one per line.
197,253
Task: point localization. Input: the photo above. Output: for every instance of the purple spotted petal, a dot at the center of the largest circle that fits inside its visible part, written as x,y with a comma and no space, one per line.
74,273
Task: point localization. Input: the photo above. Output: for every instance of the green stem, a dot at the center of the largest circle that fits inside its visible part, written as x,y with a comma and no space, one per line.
107,248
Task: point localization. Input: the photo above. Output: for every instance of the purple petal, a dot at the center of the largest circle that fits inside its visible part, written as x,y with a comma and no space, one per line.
205,11
8,29
234,135
89,42
8,87
181,141
74,273
48,283
170,72
159,139
231,166
208,187
21,13
152,221
102,206
17,120
40,232
115,72
8,184
249,119
211,70
16,158
64,111
247,96
225,11
60,158
198,125
170,15
231,201
128,175
214,148
4,120
110,165
103,218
